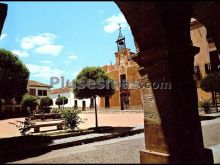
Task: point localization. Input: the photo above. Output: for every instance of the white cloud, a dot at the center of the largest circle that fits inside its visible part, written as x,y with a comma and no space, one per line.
46,62
44,71
53,50
3,36
37,40
20,53
72,56
112,23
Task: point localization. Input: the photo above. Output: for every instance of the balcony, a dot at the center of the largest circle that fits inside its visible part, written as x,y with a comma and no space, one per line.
212,67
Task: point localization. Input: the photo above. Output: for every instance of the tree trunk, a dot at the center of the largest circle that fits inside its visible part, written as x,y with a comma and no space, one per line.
96,117
216,106
213,98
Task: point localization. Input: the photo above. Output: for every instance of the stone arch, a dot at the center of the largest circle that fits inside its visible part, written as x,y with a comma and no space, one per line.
172,126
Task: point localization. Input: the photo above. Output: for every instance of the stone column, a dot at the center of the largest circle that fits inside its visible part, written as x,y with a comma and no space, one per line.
172,127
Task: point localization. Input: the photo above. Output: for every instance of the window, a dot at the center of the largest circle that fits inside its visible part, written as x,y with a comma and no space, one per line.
208,68
91,103
124,84
32,92
84,103
75,103
214,60
42,92
107,102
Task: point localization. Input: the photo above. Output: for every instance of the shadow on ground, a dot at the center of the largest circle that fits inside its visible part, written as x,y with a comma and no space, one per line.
17,148
23,147
202,118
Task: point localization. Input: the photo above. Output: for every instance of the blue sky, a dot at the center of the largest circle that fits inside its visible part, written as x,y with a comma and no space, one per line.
60,38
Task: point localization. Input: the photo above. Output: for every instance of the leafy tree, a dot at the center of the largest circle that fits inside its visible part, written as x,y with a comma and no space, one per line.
13,76
29,101
45,104
211,83
61,100
92,82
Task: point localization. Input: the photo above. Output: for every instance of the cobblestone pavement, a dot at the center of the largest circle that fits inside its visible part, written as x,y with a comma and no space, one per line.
211,132
119,150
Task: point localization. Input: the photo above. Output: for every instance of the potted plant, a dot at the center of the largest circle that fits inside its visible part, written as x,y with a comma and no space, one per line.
206,105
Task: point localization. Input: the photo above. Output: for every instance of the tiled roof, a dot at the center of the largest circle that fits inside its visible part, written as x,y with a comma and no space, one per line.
61,90
32,83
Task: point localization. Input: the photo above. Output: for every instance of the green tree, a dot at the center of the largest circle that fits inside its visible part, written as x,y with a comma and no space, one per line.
29,101
92,82
61,100
211,83
45,104
13,76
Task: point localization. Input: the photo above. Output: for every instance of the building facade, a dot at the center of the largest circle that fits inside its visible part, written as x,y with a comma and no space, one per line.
72,101
207,60
38,89
125,74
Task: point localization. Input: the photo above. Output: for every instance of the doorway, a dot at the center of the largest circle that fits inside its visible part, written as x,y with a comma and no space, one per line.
107,102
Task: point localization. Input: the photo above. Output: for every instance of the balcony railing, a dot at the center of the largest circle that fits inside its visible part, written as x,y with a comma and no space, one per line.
212,67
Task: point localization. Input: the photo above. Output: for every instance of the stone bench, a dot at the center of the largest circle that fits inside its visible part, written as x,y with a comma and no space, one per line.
46,116
37,126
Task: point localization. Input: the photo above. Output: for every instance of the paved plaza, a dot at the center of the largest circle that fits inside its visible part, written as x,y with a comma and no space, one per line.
123,119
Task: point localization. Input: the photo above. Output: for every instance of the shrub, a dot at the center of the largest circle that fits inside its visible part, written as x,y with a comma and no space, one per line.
61,101
71,118
55,110
206,105
29,101
45,104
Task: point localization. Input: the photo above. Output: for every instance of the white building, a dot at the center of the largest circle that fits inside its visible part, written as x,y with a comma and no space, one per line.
35,88
68,93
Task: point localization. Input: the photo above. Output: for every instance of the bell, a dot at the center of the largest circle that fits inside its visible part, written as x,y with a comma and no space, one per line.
121,43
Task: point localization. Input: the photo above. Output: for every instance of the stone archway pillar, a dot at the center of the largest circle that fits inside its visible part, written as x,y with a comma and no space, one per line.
173,131
171,121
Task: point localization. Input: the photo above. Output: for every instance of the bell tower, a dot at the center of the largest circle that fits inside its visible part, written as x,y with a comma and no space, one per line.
120,41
